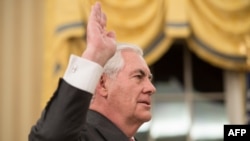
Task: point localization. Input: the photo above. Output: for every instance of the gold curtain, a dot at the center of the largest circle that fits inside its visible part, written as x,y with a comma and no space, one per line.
176,19
65,22
221,32
139,22
217,31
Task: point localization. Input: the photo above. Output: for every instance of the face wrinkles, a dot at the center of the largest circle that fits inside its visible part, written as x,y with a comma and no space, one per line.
133,88
141,74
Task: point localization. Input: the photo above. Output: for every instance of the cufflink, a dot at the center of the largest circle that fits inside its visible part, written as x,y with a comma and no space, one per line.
74,69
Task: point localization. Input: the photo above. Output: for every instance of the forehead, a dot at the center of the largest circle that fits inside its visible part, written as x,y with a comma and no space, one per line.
133,61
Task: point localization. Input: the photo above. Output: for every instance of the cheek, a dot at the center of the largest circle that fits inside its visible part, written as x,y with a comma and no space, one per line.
124,93
121,95
116,93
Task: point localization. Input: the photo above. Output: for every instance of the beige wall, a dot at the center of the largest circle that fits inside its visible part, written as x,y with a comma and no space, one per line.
21,42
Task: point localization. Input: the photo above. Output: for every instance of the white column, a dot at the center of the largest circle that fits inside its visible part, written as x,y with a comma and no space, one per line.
235,96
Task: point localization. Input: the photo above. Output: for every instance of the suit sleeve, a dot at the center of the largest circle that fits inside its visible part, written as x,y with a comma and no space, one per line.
65,114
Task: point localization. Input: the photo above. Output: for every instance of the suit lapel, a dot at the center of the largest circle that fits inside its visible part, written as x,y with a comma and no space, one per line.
105,127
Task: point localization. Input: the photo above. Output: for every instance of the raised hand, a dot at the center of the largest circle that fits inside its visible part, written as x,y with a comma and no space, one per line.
101,44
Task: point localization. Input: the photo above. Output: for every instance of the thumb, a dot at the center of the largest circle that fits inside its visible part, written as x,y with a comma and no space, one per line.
111,34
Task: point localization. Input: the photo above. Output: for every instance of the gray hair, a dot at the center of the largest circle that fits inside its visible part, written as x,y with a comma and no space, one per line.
116,63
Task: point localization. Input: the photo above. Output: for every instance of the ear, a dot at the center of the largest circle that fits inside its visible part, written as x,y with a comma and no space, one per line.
102,86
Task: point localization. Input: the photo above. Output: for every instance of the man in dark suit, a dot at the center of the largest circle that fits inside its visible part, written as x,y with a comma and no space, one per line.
104,95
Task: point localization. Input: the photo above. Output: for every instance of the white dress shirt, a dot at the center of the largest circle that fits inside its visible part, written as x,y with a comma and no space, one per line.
82,73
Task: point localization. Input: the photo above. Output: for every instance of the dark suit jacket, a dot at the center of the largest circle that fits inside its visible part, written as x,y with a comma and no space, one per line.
67,118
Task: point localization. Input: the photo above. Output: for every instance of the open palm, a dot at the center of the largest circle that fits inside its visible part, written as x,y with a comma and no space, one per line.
100,43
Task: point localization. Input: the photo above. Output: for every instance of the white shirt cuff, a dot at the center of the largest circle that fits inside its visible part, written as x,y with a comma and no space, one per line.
83,74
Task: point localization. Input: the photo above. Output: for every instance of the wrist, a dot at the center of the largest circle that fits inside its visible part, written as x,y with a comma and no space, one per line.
95,56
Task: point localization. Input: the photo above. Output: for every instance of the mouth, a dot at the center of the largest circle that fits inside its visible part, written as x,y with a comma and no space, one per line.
148,103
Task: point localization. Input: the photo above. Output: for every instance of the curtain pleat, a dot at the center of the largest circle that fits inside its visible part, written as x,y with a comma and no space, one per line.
216,31
138,22
219,33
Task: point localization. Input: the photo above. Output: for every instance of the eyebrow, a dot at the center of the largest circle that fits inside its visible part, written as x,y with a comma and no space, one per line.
144,74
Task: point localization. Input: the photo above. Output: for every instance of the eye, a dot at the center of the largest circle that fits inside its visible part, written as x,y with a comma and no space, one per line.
139,76
150,78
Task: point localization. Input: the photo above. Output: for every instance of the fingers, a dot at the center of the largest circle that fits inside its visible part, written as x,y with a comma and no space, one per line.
95,12
103,20
111,34
97,15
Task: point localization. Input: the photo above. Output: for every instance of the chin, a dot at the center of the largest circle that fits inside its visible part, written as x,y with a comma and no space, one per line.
145,117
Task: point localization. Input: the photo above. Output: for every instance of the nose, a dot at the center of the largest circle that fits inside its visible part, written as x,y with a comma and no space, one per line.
149,88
